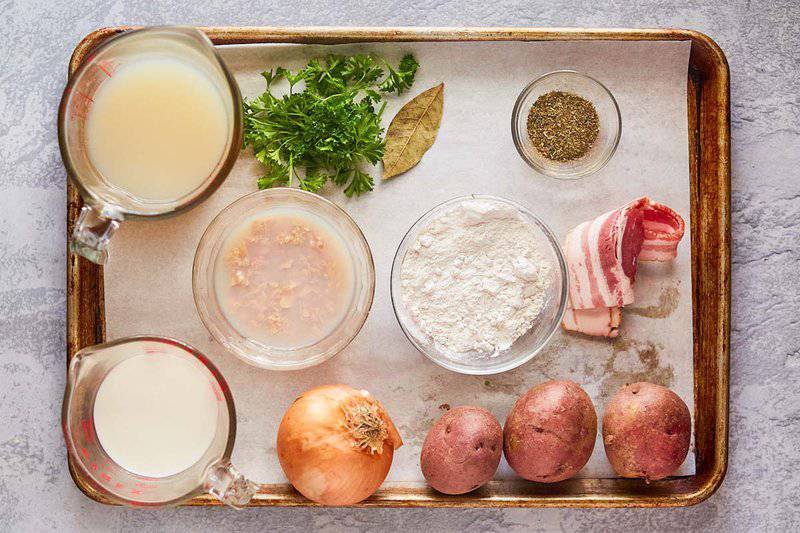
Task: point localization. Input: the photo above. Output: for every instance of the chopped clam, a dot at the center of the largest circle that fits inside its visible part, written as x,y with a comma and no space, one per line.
289,280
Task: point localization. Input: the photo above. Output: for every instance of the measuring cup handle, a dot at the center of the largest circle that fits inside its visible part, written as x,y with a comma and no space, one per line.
92,231
228,485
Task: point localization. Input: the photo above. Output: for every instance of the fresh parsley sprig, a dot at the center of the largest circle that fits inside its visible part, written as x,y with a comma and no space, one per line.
330,128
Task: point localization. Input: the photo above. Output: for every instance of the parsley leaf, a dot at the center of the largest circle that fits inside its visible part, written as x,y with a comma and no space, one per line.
401,79
331,128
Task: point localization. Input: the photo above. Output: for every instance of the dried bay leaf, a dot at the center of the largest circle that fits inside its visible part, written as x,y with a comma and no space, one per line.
412,131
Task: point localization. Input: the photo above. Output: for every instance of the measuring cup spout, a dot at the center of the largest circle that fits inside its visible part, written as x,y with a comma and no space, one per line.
92,231
228,485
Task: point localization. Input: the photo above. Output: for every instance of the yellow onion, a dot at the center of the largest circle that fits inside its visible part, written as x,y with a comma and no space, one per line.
336,444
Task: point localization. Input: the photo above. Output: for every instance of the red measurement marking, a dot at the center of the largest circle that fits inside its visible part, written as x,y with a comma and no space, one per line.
102,67
85,453
135,491
79,107
218,385
94,467
118,485
105,477
88,430
86,96
217,392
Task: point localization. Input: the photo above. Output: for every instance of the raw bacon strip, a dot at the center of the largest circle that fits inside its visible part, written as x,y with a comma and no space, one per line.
600,322
601,259
663,230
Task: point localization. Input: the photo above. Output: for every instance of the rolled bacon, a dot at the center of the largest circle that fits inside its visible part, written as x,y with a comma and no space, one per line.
663,230
600,322
601,259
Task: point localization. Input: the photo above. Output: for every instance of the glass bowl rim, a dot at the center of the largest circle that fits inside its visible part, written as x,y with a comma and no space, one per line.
517,135
526,356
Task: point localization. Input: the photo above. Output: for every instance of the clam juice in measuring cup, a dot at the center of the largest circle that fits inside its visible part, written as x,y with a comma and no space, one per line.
150,125
155,414
157,128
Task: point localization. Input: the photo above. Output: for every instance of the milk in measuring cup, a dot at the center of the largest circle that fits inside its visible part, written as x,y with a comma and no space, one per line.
157,128
155,414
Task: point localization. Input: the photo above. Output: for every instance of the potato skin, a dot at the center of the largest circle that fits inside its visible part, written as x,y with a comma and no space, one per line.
462,450
549,434
646,431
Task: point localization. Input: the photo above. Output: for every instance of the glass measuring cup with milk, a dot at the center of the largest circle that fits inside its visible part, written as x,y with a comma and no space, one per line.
151,422
149,125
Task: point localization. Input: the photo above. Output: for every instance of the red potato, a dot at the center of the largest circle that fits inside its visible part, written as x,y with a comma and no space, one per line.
646,431
550,433
462,450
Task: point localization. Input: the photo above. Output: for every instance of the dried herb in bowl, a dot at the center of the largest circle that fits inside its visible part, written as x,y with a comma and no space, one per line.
562,126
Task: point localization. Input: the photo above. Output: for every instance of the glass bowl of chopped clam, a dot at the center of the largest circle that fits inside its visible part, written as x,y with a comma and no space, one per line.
283,278
479,285
566,124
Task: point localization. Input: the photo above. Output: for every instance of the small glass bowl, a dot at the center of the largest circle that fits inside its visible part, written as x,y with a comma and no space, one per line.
607,112
524,348
250,350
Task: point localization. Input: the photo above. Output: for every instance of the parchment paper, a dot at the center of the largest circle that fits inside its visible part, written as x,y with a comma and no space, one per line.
148,278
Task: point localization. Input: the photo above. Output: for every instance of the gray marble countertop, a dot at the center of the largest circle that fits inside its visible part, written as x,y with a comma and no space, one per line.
762,42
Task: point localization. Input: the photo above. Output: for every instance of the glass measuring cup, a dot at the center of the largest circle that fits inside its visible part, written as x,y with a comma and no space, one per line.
106,205
212,473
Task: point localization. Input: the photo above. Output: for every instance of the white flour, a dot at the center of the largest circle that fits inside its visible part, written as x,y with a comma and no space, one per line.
474,279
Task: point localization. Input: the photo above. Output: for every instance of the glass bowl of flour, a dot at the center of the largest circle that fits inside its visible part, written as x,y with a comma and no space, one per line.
479,285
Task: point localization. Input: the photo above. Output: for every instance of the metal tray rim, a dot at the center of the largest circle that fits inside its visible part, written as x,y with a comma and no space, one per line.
714,76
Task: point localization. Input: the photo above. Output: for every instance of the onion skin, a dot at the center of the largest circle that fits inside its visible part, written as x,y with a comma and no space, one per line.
319,454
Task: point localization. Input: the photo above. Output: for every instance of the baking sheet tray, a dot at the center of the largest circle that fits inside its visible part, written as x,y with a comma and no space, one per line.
480,89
